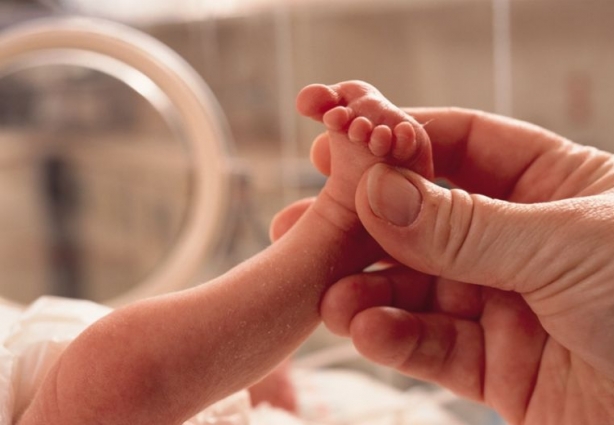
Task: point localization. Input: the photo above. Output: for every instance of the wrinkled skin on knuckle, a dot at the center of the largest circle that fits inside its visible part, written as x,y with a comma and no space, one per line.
452,230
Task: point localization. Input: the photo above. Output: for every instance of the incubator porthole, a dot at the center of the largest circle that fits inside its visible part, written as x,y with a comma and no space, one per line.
113,167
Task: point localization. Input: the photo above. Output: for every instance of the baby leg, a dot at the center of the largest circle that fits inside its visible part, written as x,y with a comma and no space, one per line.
364,128
163,359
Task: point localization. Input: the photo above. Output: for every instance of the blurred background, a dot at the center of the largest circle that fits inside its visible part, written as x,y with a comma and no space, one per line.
96,183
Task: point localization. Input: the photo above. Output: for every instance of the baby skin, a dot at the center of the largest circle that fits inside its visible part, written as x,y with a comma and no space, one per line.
163,359
363,128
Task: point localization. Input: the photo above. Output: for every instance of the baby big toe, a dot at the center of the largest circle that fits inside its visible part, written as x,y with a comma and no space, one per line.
315,100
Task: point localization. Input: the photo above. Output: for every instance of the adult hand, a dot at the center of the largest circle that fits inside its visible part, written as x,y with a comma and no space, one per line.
506,293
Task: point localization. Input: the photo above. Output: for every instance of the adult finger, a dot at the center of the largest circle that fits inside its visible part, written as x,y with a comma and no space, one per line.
498,156
286,218
433,347
479,240
400,287
470,357
394,287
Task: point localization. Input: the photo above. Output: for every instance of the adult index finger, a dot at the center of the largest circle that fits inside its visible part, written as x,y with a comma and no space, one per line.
485,153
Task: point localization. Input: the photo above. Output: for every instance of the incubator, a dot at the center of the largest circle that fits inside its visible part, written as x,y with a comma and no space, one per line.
115,163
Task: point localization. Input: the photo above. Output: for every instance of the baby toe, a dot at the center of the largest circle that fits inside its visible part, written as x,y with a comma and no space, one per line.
405,137
338,118
381,141
315,100
360,130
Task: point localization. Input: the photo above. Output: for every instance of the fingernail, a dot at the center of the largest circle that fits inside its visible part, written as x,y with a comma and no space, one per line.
392,197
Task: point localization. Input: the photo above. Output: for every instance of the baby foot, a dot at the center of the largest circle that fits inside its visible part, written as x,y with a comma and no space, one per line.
364,128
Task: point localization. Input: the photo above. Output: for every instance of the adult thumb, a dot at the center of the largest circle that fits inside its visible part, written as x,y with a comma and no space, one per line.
466,237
